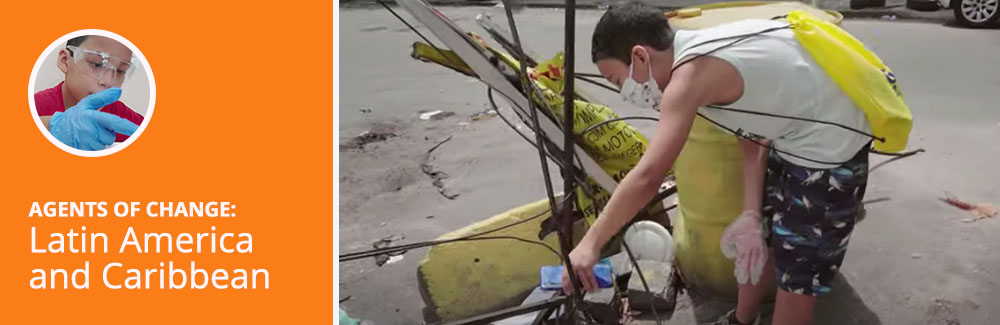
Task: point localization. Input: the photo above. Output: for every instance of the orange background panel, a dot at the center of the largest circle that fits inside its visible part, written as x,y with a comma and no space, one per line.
243,114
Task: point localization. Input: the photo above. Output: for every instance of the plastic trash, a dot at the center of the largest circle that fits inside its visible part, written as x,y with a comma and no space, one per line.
552,276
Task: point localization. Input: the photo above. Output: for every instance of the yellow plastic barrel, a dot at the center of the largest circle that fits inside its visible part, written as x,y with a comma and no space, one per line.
708,171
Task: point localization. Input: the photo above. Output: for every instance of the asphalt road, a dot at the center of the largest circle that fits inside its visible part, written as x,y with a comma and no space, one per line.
912,261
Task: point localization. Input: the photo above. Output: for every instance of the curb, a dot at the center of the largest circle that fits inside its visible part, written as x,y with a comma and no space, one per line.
893,13
898,13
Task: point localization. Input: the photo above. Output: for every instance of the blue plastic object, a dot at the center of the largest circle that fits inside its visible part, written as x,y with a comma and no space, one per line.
552,276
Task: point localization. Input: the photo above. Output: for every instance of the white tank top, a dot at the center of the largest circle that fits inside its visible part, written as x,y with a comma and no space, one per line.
780,77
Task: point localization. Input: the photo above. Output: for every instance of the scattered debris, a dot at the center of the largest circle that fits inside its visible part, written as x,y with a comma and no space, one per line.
435,115
484,115
394,259
437,177
889,17
365,110
429,217
342,300
916,255
386,242
979,211
383,224
942,311
374,28
368,137
381,259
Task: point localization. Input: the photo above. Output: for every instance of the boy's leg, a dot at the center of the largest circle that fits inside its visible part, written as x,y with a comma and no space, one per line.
750,295
793,308
810,237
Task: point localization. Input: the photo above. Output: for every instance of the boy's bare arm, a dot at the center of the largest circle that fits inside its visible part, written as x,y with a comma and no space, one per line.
754,161
693,85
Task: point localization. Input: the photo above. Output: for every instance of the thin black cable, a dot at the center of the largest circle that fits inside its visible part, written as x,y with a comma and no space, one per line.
579,178
438,242
538,133
897,154
589,75
635,264
532,110
496,108
895,157
736,132
877,152
390,250
740,133
742,37
596,83
494,105
881,139
528,88
605,122
445,56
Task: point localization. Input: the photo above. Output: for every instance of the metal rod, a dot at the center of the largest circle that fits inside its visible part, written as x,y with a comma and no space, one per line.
565,217
544,315
565,233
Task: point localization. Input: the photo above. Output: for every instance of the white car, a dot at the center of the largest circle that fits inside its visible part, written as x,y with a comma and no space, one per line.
968,13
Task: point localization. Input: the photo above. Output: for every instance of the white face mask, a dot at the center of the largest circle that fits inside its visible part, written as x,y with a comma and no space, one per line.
646,94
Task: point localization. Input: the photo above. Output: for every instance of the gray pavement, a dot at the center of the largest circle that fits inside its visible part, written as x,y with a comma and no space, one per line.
912,261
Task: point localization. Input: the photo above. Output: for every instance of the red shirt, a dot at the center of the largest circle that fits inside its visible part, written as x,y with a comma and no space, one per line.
50,101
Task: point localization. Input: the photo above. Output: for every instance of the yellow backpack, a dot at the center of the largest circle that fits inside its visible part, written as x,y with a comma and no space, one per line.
860,74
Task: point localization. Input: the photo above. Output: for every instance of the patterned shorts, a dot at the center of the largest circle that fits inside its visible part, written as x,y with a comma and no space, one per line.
811,213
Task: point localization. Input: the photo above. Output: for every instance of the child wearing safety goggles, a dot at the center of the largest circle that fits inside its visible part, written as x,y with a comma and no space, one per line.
95,68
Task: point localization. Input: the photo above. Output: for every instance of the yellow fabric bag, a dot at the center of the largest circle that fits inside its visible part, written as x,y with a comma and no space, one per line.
860,74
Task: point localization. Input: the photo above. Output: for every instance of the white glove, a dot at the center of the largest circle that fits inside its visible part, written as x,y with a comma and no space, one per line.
744,241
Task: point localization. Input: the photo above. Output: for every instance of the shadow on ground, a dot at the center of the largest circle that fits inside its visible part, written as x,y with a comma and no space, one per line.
842,306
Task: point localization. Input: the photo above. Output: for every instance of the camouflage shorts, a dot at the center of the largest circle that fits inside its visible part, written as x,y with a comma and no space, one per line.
811,213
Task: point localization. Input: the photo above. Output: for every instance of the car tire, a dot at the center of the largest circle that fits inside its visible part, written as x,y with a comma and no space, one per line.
923,5
977,13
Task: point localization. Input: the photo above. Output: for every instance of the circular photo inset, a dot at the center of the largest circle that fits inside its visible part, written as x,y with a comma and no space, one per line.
91,93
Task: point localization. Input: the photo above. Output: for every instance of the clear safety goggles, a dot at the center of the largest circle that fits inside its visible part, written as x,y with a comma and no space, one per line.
103,66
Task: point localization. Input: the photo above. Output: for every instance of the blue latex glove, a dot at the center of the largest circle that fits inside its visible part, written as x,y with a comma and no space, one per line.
84,127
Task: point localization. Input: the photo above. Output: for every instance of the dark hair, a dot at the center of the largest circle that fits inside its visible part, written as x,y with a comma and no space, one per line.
629,24
76,41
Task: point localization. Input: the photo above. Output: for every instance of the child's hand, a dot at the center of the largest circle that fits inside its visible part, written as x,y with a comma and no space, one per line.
744,241
83,127
584,258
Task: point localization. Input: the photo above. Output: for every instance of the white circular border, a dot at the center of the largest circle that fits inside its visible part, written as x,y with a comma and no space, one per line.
58,43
